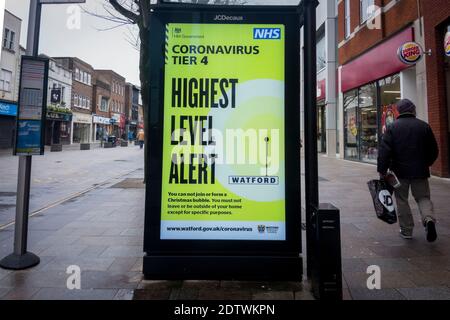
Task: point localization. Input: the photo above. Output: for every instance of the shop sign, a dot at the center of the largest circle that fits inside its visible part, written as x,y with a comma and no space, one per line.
100,120
58,116
410,53
82,118
55,96
447,44
8,109
115,119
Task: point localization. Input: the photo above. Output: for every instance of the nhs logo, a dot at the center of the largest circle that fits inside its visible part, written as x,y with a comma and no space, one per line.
266,33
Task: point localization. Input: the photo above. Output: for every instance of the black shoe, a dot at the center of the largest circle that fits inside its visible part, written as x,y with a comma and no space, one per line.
430,229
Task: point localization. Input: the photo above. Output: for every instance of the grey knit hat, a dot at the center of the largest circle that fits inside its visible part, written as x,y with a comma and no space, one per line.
406,106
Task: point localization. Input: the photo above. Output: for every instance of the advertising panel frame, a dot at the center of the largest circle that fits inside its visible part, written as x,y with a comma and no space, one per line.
237,259
45,61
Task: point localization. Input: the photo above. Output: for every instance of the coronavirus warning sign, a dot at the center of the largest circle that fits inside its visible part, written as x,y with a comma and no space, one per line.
223,161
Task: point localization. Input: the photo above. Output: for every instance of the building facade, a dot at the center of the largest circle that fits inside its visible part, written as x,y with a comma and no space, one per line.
436,16
116,102
132,93
9,78
372,78
81,99
58,127
327,129
101,98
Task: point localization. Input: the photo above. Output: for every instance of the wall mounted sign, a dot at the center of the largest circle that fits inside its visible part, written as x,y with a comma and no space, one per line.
8,109
100,120
55,96
32,106
410,53
59,116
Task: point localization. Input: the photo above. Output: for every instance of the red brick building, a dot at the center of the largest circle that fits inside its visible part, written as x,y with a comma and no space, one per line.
117,99
82,91
101,99
436,15
372,78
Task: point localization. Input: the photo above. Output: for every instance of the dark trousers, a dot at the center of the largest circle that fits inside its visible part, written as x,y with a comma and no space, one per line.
141,144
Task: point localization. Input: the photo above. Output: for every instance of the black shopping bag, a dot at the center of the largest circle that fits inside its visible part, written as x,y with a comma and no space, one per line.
381,194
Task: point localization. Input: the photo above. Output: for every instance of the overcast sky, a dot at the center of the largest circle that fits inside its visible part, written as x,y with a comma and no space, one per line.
102,49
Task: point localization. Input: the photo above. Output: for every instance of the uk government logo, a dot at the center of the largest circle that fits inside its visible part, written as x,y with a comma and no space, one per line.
267,229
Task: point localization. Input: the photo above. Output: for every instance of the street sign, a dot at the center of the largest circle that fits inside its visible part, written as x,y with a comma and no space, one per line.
32,106
55,96
223,176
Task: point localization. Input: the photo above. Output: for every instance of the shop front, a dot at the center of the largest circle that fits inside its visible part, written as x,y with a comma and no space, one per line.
58,127
102,127
8,113
372,85
82,126
118,125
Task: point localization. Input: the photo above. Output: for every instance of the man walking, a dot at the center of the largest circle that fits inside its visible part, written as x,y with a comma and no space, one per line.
409,148
140,138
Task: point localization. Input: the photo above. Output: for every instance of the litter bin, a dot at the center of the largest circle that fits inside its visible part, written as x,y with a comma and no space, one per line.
113,140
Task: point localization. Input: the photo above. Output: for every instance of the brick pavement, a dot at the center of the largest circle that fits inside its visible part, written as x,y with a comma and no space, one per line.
101,231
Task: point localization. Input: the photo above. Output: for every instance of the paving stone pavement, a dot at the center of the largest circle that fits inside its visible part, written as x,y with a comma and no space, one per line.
410,269
102,233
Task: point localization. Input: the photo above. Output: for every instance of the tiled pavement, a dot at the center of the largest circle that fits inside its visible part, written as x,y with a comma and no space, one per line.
101,231
413,269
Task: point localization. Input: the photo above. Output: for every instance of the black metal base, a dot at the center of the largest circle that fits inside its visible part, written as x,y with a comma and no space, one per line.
19,262
223,267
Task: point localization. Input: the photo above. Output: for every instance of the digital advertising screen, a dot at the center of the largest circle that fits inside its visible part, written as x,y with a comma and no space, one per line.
223,139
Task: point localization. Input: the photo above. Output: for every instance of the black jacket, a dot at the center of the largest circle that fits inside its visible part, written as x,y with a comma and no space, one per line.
408,148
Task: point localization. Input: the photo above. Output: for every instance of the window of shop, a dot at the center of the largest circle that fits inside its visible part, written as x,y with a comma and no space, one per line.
350,125
390,94
367,103
368,110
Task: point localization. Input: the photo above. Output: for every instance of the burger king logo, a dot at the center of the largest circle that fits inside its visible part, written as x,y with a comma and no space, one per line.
410,53
447,44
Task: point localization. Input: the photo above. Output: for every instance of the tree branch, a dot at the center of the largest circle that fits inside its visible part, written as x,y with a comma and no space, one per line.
125,12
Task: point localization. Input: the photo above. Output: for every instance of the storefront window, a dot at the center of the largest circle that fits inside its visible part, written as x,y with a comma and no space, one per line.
351,125
368,120
368,110
389,96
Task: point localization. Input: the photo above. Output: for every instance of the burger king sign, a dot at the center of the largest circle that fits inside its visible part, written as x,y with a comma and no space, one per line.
410,53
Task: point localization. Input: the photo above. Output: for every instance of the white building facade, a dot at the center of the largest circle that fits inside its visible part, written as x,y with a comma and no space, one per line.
59,114
9,77
327,107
